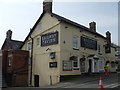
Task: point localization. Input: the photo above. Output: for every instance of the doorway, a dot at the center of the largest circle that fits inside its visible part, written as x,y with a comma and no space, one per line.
36,80
90,66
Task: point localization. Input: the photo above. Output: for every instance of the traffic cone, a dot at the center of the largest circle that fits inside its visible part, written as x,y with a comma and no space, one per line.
100,83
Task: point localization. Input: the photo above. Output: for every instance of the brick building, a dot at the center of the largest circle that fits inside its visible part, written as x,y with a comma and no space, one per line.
14,62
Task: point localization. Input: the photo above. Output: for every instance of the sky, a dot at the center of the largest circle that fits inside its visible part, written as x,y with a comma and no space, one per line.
20,16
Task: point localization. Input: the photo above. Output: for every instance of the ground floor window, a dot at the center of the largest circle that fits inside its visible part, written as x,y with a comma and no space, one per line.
67,65
82,66
101,63
113,64
75,63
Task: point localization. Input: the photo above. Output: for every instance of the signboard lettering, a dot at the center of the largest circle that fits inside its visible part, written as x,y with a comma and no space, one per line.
49,39
88,43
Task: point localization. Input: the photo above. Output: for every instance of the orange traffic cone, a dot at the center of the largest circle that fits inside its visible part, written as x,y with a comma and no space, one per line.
100,83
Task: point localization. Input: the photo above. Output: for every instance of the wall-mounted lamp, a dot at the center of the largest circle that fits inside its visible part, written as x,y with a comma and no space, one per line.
52,55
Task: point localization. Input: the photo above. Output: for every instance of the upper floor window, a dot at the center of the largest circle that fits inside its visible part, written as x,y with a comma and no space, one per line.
39,26
38,41
75,42
30,46
107,49
99,48
9,61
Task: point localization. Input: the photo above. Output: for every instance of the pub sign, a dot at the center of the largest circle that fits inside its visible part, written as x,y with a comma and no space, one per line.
49,39
88,43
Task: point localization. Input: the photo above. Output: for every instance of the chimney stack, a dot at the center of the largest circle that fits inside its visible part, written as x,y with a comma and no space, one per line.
108,36
47,6
9,35
92,26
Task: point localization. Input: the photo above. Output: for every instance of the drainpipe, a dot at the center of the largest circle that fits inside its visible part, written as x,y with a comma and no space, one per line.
31,62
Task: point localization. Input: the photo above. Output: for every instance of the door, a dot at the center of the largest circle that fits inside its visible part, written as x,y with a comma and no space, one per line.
90,66
36,80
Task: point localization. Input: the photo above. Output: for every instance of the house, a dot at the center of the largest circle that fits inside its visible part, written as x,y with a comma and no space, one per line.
60,47
10,44
117,55
14,62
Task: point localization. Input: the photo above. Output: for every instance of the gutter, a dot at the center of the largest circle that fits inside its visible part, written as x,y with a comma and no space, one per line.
31,62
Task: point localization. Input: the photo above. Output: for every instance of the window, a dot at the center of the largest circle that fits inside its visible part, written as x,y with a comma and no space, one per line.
99,48
38,41
101,63
75,42
75,63
67,65
39,27
9,61
107,49
113,64
30,46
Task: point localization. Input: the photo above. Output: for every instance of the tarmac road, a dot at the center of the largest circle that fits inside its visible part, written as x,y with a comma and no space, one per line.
89,81
81,82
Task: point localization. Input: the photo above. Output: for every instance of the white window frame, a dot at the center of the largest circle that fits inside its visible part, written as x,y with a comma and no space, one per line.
78,63
101,59
75,40
99,47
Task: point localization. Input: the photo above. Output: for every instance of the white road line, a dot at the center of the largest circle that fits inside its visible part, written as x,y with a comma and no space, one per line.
114,86
109,86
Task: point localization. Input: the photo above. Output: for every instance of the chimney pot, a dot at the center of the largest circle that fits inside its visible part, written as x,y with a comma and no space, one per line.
9,34
92,26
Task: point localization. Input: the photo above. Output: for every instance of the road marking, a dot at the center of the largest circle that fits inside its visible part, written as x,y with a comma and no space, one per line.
111,85
114,86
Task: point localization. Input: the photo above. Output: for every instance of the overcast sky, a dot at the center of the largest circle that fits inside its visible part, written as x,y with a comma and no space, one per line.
21,16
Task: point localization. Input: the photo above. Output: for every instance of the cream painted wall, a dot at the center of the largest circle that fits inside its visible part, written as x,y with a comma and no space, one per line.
67,50
41,56
111,57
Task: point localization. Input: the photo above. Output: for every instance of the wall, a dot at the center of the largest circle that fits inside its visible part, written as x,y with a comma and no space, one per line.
41,59
41,56
111,57
67,50
18,69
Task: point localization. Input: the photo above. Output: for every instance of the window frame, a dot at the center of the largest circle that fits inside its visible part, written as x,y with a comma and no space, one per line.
99,48
78,63
101,63
9,62
75,40
38,41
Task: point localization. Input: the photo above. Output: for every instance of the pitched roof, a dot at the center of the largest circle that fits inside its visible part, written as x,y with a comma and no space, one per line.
14,44
64,20
76,24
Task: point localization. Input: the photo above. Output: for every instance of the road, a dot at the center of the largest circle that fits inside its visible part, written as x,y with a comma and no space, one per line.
80,82
89,81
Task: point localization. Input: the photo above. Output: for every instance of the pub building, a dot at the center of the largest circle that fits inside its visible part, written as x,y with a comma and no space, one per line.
59,47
